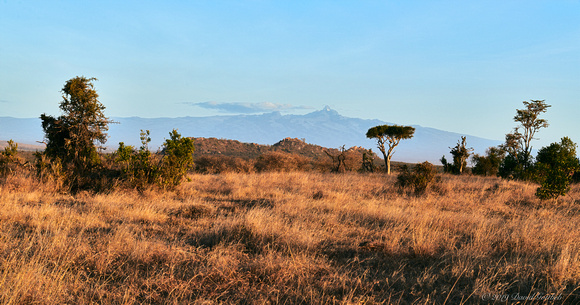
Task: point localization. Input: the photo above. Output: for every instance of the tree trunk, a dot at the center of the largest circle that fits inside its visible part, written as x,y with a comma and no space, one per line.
387,162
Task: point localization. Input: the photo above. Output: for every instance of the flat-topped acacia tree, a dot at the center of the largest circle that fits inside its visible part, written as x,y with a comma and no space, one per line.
392,135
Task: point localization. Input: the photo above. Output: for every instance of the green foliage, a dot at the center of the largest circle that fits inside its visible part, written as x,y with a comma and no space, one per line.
517,163
554,168
137,167
140,168
488,165
391,135
460,155
419,179
512,166
72,137
531,123
391,131
177,159
9,160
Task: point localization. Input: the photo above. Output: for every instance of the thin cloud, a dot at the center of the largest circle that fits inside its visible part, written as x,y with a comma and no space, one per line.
4,101
247,107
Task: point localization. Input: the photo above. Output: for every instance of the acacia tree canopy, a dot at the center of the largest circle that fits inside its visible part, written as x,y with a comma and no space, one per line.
391,135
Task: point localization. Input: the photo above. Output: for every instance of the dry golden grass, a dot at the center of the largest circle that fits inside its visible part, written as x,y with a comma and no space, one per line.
289,238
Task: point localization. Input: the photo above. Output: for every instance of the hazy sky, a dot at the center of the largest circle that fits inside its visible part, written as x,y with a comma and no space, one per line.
462,66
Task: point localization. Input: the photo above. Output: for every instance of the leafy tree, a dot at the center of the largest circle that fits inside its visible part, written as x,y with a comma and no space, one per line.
460,155
555,165
530,123
72,138
488,165
511,167
390,135
518,145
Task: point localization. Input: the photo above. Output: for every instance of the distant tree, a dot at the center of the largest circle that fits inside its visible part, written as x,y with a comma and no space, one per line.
488,165
511,167
555,165
460,155
447,167
72,138
390,135
518,145
530,123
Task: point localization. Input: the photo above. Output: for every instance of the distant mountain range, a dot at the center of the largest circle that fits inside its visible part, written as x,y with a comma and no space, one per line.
325,127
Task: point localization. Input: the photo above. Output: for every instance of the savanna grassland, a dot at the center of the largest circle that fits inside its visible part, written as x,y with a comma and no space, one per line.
290,238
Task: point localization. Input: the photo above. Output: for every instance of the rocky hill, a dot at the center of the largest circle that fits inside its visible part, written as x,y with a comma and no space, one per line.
234,148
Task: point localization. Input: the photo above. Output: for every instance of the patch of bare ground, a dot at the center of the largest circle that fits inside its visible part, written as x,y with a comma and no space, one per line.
289,238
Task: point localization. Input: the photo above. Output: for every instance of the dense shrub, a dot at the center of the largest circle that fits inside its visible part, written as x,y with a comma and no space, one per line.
177,159
418,179
140,168
488,165
554,168
281,162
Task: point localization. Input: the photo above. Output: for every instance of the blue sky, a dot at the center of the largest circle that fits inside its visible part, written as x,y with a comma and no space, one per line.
461,66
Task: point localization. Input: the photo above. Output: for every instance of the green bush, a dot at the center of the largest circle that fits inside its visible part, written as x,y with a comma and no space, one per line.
177,159
488,165
140,168
9,160
554,168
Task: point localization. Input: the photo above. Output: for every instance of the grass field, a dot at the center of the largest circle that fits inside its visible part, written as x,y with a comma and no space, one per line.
288,238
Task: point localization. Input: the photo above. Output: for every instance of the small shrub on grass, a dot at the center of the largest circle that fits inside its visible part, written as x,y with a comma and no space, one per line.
418,179
9,159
